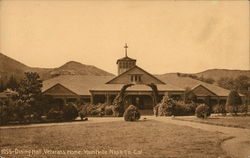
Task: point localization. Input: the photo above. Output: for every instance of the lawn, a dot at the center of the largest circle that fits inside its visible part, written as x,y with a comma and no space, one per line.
229,121
112,139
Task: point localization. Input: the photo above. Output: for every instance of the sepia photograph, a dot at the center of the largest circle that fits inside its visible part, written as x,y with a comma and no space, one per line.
125,78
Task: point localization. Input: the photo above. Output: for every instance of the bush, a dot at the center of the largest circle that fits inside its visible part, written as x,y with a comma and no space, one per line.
166,107
55,115
202,111
219,109
92,109
108,110
243,108
131,113
183,109
4,115
70,112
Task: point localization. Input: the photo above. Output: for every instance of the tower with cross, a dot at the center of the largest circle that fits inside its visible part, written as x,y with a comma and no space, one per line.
125,63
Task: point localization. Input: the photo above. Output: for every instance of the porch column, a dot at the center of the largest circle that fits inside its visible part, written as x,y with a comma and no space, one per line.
107,98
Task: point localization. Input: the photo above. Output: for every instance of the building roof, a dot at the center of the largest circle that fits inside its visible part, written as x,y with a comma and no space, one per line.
187,82
136,87
80,84
126,58
133,68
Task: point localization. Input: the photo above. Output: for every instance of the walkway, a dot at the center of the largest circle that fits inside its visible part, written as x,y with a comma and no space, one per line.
238,147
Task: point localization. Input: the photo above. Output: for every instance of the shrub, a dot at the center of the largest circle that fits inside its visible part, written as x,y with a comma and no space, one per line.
70,112
92,109
219,109
202,111
4,115
166,107
55,115
243,108
131,113
182,108
108,110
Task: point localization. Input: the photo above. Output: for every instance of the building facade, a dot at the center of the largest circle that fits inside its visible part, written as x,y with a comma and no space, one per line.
103,89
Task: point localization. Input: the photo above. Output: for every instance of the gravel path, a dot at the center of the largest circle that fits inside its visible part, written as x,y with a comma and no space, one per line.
237,147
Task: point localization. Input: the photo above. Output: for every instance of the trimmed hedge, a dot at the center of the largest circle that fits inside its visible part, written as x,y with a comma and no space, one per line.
131,113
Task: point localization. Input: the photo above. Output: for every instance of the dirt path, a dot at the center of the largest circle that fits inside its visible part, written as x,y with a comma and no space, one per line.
237,147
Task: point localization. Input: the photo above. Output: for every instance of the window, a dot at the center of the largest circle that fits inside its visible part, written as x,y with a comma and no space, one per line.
135,78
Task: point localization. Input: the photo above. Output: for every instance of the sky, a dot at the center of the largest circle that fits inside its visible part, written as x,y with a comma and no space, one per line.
164,36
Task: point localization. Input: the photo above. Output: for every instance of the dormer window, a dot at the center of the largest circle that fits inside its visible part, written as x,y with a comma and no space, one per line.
136,78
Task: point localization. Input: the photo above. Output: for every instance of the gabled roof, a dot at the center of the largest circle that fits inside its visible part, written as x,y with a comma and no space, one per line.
185,82
80,84
200,85
69,92
131,69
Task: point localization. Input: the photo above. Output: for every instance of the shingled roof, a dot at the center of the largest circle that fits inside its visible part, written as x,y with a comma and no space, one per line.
82,84
187,82
137,87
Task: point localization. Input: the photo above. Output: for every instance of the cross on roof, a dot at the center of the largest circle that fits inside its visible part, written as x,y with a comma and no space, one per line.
126,47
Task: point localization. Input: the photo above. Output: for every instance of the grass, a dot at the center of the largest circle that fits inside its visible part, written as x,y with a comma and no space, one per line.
228,121
143,139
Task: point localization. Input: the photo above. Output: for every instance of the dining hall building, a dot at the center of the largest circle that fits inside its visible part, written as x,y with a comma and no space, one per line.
103,89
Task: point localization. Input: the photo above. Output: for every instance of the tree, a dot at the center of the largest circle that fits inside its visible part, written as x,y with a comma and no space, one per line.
12,83
233,101
2,86
29,90
242,83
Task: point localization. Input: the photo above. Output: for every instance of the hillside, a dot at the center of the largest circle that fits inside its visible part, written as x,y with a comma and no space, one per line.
216,74
9,66
76,68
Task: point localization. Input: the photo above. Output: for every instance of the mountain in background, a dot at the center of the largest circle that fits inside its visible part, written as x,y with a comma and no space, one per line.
9,67
216,74
76,68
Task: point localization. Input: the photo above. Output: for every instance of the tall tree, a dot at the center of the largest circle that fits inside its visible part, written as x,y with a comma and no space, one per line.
233,101
30,86
29,92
